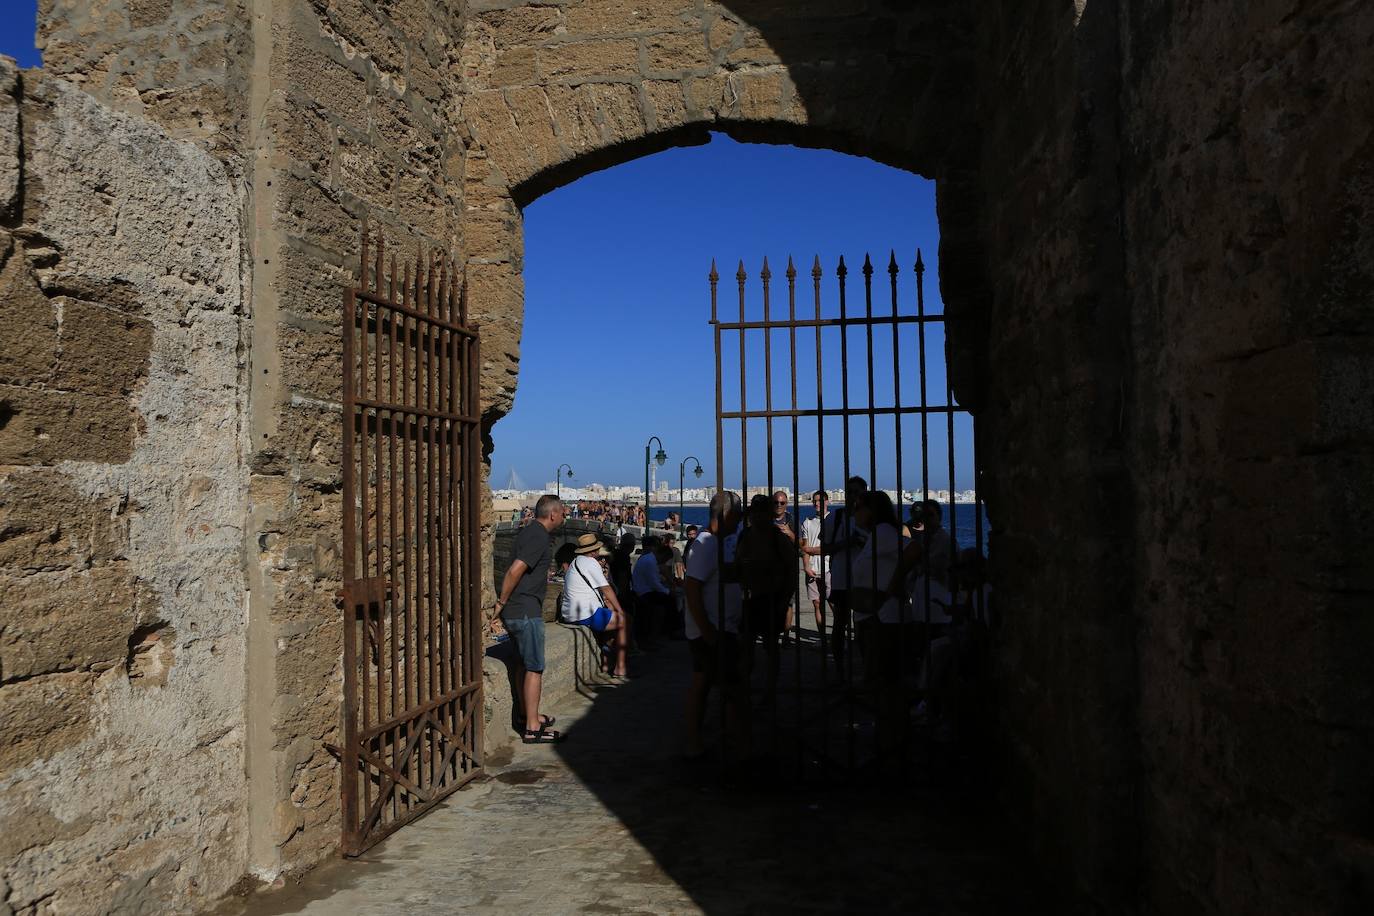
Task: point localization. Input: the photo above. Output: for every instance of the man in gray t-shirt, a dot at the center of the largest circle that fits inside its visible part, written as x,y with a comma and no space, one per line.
521,606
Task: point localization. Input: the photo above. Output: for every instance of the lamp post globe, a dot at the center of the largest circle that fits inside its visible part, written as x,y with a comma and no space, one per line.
661,457
681,478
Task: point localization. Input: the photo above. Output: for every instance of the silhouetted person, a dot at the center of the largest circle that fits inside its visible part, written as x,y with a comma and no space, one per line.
782,520
877,596
651,593
817,567
712,626
521,606
767,561
841,540
934,556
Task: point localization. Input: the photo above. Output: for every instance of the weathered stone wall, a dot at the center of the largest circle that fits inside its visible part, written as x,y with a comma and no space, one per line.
182,64
1052,376
121,510
1178,366
1157,276
1248,216
356,101
329,113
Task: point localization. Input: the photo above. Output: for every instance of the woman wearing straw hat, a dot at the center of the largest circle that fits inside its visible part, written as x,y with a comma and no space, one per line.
589,601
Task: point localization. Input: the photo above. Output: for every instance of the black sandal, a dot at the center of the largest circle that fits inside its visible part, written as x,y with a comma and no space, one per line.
541,736
546,721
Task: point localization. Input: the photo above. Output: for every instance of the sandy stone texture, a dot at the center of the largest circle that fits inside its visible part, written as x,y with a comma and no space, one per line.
1154,257
121,501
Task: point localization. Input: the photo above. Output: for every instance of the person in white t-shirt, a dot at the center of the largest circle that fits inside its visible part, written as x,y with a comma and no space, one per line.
590,601
817,568
879,610
712,626
840,540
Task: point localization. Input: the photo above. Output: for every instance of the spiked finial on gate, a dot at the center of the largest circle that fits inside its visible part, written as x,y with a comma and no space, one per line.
816,271
868,266
791,269
892,263
740,275
841,271
766,274
920,264
714,275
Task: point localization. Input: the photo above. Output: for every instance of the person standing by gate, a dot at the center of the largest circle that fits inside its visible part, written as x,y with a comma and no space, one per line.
782,520
817,568
651,594
521,606
767,562
712,629
841,540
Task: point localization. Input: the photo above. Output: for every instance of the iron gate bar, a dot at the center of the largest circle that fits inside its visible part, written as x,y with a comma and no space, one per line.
853,321
842,637
853,412
407,310
412,678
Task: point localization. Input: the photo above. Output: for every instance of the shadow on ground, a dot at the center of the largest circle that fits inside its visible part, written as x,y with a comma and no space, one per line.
776,837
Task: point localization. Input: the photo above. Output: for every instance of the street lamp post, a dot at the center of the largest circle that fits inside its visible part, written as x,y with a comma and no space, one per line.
558,479
661,457
681,476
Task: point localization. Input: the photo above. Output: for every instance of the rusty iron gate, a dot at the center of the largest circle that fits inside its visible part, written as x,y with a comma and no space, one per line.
412,707
839,703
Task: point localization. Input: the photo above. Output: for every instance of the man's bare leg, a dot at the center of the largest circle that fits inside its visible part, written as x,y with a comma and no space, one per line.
530,690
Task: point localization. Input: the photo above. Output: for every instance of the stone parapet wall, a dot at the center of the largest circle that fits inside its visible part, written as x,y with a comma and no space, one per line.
121,511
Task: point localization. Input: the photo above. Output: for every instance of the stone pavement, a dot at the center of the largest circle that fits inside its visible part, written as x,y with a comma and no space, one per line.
615,821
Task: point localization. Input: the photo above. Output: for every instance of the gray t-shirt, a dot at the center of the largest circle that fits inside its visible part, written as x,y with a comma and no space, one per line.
532,547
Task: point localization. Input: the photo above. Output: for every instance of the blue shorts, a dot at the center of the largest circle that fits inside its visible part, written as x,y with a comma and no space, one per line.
528,635
598,619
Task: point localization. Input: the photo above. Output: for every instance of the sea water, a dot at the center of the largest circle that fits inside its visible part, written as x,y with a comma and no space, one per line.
965,516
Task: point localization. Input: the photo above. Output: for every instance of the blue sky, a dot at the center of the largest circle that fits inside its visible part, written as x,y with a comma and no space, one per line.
17,26
617,344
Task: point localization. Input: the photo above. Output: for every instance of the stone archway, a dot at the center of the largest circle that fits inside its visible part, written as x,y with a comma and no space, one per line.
1155,257
552,93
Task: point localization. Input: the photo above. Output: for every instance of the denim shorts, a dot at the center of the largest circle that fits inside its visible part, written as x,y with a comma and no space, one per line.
528,635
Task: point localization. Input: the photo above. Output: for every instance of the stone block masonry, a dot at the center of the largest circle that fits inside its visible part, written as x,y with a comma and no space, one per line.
1154,259
121,510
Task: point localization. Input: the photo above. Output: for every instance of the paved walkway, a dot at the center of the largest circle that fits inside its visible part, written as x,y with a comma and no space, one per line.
614,821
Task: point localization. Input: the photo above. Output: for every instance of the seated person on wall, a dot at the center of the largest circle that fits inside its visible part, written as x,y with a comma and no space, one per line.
588,600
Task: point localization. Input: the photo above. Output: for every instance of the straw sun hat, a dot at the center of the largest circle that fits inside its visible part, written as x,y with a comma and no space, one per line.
587,544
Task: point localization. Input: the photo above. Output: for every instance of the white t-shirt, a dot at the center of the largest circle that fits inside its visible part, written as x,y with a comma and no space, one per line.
811,534
702,566
580,584
644,577
835,531
885,544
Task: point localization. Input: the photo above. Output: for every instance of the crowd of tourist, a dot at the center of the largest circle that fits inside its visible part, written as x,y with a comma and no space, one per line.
898,591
